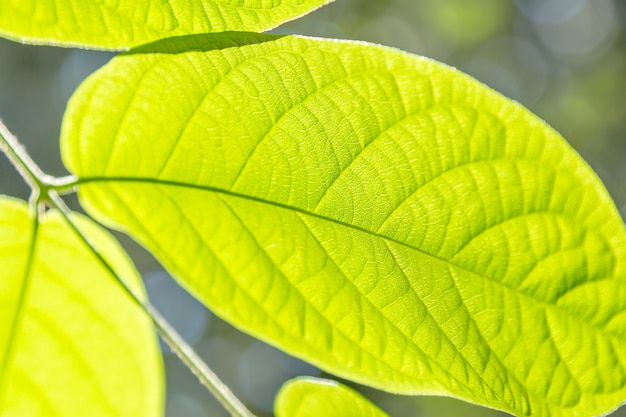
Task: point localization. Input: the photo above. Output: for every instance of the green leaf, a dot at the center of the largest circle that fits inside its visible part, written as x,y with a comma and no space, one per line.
314,397
118,25
381,215
72,343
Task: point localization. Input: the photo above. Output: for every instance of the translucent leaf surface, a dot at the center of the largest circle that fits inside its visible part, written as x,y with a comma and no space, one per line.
71,342
115,24
314,397
378,214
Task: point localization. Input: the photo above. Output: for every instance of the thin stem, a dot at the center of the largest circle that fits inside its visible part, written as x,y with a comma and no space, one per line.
22,162
47,188
29,170
62,185
178,345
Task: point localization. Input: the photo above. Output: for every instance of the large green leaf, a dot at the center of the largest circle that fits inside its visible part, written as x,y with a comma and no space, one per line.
314,397
71,341
381,215
119,24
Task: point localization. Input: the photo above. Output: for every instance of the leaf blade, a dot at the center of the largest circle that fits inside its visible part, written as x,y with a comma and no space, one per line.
82,347
114,25
330,189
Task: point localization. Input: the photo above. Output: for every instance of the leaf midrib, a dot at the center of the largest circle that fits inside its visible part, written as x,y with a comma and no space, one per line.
96,179
502,401
20,308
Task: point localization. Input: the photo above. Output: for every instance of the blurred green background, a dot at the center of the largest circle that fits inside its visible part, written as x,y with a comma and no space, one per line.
563,59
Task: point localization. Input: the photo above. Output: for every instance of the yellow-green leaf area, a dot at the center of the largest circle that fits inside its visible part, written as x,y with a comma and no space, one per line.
314,397
120,24
379,214
71,343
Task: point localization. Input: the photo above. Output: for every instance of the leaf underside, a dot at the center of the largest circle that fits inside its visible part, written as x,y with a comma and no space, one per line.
120,24
71,342
381,215
314,397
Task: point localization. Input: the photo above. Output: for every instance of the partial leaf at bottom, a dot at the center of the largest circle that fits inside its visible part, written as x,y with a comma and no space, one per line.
72,343
313,397
381,215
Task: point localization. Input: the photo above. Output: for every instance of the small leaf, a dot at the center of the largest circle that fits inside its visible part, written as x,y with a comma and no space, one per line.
118,25
72,343
314,397
381,215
